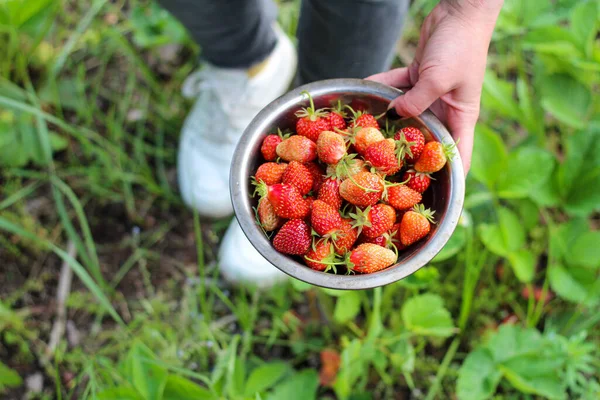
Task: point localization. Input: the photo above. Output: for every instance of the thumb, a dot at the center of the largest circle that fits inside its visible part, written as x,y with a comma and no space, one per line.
416,100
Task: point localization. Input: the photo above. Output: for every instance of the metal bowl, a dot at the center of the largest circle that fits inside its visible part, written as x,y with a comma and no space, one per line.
445,196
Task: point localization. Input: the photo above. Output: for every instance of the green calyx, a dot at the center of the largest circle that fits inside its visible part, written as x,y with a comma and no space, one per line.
426,212
311,112
361,218
261,189
339,109
403,147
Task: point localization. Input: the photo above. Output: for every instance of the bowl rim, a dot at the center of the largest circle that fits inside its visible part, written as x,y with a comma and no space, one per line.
245,215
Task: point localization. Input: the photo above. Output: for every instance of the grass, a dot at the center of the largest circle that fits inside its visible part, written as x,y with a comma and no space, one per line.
94,105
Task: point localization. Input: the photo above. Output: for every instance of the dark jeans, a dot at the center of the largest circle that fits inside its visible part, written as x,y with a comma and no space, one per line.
336,38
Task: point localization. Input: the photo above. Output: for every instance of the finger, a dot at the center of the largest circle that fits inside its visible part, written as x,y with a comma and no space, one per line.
399,77
420,97
462,127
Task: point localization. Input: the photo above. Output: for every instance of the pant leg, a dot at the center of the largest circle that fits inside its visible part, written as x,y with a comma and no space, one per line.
347,38
231,33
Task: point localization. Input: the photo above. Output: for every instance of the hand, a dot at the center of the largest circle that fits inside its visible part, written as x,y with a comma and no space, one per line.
448,69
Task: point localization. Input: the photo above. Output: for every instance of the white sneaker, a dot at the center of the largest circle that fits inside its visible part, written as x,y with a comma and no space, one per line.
241,263
227,101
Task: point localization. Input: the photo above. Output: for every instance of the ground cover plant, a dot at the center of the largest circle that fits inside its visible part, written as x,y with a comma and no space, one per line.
109,288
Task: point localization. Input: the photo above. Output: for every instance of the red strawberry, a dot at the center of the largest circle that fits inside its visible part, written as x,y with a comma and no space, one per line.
318,175
270,173
269,147
346,167
382,240
415,225
374,220
293,238
298,175
325,219
364,119
312,122
434,157
382,156
286,200
297,148
365,137
269,220
412,135
418,181
330,193
345,238
320,256
402,197
395,234
336,117
368,258
330,147
363,189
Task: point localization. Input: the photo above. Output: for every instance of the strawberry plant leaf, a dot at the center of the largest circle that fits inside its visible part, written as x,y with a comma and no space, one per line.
576,284
9,377
491,236
584,25
426,315
301,386
528,168
478,376
566,98
120,393
453,246
347,307
146,376
179,388
265,377
498,95
489,156
523,264
511,229
585,251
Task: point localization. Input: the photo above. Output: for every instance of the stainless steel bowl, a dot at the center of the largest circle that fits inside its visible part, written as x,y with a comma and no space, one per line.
445,196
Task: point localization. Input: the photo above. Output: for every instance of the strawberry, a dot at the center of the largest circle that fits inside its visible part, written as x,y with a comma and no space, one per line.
415,225
318,175
269,147
365,137
293,238
336,117
286,200
364,119
418,181
382,240
269,220
312,122
298,175
345,238
395,234
330,147
416,141
402,197
382,156
297,148
330,193
363,189
368,258
320,256
324,218
346,167
434,157
270,172
374,220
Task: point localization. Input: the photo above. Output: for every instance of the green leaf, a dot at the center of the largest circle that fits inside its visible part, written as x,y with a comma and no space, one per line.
511,228
566,98
586,251
422,278
497,95
265,376
179,388
523,264
455,244
576,284
347,307
9,377
553,40
491,236
528,213
426,315
402,356
528,168
301,386
584,25
489,159
536,374
301,286
120,393
478,376
146,376
512,341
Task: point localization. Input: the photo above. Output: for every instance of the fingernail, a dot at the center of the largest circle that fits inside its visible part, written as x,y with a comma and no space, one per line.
392,114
